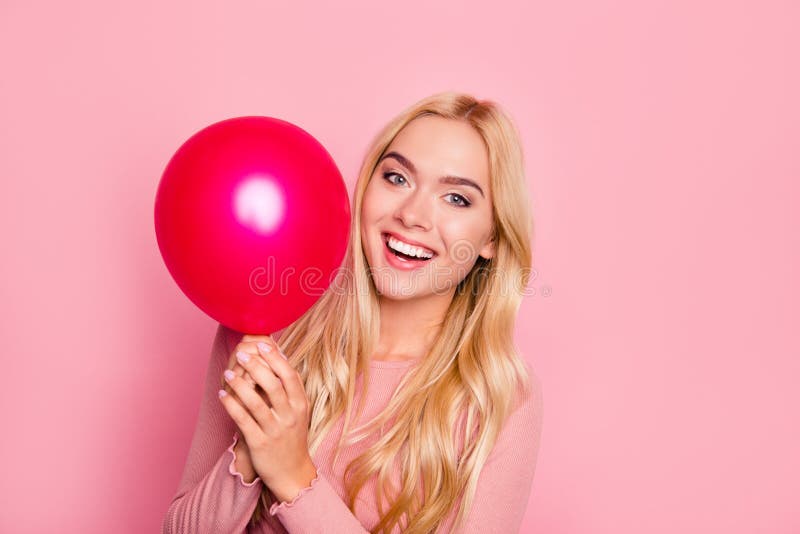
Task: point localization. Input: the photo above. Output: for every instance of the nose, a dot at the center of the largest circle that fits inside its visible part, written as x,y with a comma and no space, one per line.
414,211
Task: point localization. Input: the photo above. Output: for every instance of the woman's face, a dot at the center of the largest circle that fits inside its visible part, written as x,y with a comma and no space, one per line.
430,189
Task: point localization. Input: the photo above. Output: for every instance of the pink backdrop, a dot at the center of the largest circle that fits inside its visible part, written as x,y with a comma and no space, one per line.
661,144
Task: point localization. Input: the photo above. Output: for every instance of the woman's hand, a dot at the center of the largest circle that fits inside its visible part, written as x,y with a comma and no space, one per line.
274,425
243,464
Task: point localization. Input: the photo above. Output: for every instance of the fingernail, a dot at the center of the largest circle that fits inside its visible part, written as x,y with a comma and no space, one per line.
222,393
263,346
229,374
242,356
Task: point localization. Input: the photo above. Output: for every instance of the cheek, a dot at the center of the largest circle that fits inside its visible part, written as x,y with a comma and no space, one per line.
369,193
367,204
463,240
370,212
373,205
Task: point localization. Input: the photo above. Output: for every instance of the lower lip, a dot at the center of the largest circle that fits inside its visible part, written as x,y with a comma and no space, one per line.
405,265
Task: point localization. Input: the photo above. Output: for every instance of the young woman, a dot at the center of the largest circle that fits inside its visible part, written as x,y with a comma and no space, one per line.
403,405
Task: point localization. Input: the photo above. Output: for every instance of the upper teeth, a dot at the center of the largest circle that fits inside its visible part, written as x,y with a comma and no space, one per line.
407,249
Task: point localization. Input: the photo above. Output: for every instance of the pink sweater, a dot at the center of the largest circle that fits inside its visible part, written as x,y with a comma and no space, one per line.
213,497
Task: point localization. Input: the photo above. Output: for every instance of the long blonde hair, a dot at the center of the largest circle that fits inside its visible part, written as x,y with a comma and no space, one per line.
469,382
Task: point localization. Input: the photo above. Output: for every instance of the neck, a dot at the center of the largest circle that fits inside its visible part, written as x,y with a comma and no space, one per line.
409,327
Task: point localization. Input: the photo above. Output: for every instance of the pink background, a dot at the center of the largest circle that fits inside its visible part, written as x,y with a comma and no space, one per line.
661,143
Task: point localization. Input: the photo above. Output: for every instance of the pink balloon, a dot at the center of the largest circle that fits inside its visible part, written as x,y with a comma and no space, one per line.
252,219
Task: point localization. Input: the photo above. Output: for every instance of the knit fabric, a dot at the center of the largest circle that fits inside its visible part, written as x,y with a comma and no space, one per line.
213,497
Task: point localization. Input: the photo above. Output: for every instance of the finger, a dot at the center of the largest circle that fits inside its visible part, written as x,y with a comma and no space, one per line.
281,367
247,346
252,400
268,381
263,394
250,429
242,373
250,348
254,337
239,371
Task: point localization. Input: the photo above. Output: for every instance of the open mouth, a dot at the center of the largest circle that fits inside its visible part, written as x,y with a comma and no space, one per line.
402,255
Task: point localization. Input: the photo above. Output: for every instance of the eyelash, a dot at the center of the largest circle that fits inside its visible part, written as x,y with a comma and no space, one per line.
466,203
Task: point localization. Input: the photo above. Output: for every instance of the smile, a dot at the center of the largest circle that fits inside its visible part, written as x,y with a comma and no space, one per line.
404,252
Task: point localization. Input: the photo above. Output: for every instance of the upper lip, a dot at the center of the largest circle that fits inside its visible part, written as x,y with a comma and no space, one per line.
410,241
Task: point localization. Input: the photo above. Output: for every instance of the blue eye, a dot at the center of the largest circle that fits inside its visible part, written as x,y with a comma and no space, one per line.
463,201
387,174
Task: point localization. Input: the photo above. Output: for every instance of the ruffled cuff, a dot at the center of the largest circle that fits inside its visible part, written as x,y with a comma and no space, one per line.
278,506
232,468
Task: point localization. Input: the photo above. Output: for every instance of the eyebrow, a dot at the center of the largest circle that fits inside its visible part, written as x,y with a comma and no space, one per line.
454,180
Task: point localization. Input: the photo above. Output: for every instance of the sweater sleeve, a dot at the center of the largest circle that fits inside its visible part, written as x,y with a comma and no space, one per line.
317,508
504,485
212,496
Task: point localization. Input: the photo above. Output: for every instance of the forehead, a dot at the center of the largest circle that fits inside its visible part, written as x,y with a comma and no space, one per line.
438,146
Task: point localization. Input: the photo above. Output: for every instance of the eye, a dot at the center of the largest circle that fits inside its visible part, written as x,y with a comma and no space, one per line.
462,201
386,176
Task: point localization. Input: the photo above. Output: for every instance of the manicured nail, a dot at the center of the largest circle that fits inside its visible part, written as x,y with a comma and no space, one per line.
242,356
229,375
222,393
263,346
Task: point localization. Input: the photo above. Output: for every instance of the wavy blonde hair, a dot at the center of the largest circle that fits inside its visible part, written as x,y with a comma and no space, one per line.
469,382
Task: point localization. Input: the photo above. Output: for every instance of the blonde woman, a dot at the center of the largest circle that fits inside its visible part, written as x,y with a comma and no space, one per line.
403,405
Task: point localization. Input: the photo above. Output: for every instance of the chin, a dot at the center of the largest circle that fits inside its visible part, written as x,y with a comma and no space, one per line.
394,292
400,289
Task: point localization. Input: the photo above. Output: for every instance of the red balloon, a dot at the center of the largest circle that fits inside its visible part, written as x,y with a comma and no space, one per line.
252,219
